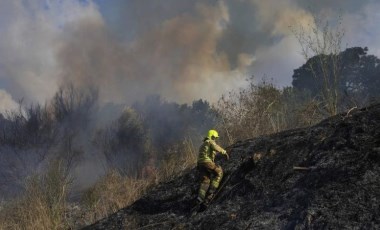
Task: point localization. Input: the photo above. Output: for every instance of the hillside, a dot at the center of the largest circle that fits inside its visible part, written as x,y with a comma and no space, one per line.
339,189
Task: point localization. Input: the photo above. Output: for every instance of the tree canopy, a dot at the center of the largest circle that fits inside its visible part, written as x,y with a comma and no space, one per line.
358,75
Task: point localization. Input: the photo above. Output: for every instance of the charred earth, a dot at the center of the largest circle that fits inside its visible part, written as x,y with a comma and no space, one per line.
325,176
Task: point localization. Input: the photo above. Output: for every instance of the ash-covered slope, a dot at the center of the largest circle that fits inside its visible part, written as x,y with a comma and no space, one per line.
340,189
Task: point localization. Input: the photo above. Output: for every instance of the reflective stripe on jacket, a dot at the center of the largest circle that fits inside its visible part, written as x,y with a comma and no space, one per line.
208,150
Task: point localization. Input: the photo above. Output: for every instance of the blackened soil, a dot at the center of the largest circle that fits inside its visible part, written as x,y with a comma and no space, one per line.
338,188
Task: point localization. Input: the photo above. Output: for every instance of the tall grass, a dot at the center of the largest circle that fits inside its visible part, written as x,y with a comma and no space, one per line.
115,191
110,194
178,159
262,109
43,203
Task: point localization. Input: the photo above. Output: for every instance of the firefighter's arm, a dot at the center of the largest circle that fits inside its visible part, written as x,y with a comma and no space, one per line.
219,149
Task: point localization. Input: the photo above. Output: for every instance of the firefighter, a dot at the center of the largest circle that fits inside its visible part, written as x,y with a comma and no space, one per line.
211,174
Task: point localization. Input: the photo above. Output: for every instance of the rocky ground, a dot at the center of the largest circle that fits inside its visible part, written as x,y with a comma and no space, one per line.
338,188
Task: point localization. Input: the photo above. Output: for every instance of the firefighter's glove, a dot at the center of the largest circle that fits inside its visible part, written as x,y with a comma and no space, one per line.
226,154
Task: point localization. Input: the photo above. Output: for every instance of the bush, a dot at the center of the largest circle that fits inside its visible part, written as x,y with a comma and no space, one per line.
262,109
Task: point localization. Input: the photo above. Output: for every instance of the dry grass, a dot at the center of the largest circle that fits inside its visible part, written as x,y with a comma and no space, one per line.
260,109
43,204
115,191
178,160
256,110
263,109
110,194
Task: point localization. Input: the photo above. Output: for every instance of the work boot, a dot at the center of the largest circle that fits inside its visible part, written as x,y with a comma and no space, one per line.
206,202
210,196
199,200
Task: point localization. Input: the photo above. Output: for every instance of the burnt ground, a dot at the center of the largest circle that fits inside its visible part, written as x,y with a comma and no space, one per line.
339,190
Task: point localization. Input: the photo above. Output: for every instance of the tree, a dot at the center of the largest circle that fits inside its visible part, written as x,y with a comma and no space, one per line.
125,143
320,45
358,81
361,75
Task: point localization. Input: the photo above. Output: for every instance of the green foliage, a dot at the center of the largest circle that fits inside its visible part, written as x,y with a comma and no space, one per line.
358,82
361,76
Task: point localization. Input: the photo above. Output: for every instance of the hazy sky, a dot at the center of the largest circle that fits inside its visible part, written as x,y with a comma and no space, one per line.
181,49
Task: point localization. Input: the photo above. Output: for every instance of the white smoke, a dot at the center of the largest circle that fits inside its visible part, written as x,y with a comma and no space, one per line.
31,34
7,103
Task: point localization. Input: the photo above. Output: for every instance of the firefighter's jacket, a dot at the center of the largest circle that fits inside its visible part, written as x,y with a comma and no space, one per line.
208,150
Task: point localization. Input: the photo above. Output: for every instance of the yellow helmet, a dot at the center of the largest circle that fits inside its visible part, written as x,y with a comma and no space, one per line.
212,134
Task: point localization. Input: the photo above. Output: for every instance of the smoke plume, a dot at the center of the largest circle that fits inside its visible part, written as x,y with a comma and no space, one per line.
182,50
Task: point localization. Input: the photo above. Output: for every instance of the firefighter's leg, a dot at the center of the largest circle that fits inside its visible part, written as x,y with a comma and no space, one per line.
217,177
205,184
